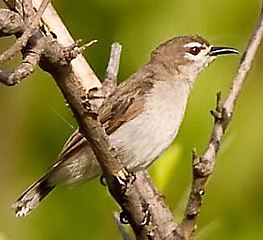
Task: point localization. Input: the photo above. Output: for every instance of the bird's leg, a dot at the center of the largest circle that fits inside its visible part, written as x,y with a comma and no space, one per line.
147,216
145,221
124,177
123,218
103,180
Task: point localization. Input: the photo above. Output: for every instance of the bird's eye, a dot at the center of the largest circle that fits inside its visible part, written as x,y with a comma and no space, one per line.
194,50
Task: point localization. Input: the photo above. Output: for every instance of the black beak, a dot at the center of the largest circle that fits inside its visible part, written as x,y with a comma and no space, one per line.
216,51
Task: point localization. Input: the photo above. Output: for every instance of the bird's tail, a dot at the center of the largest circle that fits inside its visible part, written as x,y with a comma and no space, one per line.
30,199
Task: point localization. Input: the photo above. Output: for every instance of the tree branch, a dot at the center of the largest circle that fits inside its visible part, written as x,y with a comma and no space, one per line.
203,166
11,23
32,27
96,95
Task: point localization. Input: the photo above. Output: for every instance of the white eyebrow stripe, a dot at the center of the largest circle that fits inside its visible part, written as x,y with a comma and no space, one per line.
193,44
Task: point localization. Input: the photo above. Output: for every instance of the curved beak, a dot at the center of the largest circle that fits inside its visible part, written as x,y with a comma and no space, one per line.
216,51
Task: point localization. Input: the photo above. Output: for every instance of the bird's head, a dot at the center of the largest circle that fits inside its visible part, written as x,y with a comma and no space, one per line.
189,54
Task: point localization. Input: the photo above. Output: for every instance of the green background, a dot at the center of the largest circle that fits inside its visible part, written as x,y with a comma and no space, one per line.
35,123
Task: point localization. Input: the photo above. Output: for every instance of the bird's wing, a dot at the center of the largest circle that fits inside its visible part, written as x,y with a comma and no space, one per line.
75,140
124,105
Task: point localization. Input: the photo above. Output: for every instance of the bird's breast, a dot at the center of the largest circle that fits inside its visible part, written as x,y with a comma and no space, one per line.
144,138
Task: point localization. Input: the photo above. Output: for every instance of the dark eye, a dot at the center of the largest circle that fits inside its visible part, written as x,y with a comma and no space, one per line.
194,50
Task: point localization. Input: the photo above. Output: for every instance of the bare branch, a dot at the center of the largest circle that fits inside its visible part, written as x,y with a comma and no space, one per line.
247,59
110,82
10,23
96,95
71,52
203,166
32,28
16,6
27,8
114,62
29,63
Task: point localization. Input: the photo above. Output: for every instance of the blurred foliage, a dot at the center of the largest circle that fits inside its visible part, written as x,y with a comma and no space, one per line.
35,123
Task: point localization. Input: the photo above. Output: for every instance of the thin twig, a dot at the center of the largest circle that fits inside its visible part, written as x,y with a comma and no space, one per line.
32,28
27,8
29,63
71,52
203,166
10,23
110,82
97,95
114,62
247,58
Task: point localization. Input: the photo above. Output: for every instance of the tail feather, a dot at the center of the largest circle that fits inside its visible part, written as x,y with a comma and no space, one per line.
30,199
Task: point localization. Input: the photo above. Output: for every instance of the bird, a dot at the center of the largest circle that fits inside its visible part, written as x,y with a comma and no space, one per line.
141,117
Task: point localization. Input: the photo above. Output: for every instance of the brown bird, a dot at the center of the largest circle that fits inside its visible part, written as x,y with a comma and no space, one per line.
142,116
